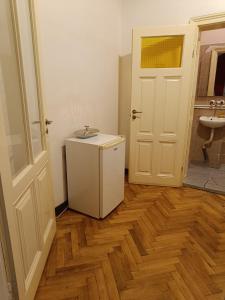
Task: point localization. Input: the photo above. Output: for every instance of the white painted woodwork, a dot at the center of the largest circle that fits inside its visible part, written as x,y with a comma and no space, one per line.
163,95
213,67
45,207
26,214
28,197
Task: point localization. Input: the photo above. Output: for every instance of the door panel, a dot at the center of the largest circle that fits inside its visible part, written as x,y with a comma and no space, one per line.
161,96
45,207
170,104
144,154
167,159
147,105
28,230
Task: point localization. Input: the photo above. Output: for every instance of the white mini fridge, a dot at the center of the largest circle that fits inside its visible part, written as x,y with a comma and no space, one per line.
95,174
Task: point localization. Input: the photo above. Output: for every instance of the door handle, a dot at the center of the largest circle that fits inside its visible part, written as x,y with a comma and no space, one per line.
36,122
134,117
48,122
134,111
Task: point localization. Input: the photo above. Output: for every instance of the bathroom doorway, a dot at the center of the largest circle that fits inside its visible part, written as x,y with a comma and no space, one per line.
206,160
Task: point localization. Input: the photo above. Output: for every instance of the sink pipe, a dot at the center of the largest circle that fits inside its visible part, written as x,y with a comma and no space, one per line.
207,143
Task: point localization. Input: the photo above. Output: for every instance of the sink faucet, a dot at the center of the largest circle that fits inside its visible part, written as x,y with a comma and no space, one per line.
214,104
220,102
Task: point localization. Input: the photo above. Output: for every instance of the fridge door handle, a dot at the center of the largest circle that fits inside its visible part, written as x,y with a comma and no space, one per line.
114,143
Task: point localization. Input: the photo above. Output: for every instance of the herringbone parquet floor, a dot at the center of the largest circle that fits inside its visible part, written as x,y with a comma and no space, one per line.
161,243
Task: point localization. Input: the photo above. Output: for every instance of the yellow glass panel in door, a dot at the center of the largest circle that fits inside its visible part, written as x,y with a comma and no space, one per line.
162,51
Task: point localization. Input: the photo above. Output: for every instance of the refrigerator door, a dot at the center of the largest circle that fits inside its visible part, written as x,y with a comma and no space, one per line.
112,165
83,177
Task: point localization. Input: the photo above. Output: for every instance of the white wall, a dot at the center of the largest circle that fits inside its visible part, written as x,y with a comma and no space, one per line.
79,44
161,12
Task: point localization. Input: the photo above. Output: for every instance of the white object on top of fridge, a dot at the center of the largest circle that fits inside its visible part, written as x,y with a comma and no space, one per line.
99,140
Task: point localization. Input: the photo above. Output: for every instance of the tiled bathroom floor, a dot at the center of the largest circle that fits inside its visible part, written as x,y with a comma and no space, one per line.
203,177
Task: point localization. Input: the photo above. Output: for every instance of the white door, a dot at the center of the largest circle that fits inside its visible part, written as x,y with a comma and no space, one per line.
24,162
161,103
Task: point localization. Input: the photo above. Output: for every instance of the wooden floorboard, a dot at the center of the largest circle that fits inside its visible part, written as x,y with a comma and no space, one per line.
160,243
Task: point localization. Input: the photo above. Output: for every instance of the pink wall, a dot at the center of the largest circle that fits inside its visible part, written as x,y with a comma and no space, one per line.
213,36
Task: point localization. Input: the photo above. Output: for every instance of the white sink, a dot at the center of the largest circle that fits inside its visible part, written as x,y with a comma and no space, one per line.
212,122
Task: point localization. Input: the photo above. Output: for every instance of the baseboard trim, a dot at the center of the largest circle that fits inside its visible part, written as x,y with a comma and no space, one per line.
61,207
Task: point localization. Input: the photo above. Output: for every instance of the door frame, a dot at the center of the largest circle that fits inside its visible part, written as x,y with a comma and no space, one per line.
5,170
5,249
212,72
3,276
189,106
202,22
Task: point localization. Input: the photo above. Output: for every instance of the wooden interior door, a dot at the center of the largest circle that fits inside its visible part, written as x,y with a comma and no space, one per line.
161,103
24,161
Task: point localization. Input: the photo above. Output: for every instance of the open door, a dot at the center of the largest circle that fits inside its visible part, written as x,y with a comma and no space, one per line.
162,71
24,162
